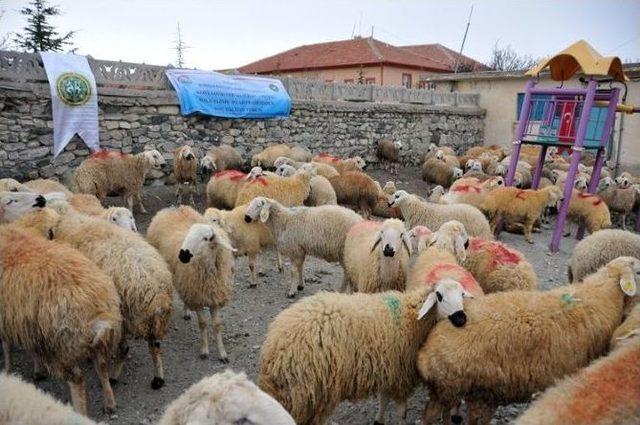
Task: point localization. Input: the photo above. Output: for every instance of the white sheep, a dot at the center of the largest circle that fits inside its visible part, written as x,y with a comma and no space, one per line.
517,343
322,169
201,258
619,195
22,403
43,186
376,256
121,217
226,398
105,172
222,189
301,231
415,212
331,347
16,204
599,248
321,192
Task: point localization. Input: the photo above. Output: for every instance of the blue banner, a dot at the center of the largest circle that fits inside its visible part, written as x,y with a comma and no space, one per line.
229,96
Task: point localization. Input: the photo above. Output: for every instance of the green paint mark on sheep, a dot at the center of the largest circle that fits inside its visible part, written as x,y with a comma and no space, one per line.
394,306
568,299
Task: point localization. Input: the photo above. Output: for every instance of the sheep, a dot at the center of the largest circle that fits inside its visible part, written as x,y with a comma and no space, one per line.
322,169
290,191
300,153
620,196
441,259
223,187
386,149
519,206
376,256
15,204
22,403
382,208
433,148
321,192
627,330
470,190
516,343
341,165
587,209
221,158
185,169
11,185
356,188
43,186
141,276
247,238
435,194
60,308
598,249
436,171
225,398
104,172
605,393
420,238
301,231
121,217
416,212
497,267
331,347
200,257
267,157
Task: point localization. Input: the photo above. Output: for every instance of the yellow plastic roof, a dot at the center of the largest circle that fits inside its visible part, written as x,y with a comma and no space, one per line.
580,56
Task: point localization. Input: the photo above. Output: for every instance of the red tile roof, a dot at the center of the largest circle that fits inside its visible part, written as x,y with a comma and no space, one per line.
354,52
443,54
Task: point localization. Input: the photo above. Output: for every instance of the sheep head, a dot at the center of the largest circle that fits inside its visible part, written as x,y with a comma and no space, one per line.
447,296
154,159
392,238
397,198
310,168
456,173
389,188
208,165
622,182
581,184
440,155
42,222
186,153
121,217
452,237
420,238
285,170
282,160
15,204
359,162
254,173
259,209
201,240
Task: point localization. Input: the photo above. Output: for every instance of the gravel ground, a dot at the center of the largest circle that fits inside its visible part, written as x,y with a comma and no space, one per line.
246,319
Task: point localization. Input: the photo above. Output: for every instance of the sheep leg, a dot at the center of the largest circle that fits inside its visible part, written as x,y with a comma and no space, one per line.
280,266
123,349
217,325
101,364
193,186
567,229
6,350
298,262
495,220
140,205
401,411
432,411
346,283
179,194
365,210
38,371
156,358
204,339
479,413
623,220
78,392
129,202
383,402
253,270
528,227
186,315
455,414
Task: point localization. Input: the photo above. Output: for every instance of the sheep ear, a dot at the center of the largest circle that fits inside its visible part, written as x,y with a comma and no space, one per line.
460,251
428,304
406,241
264,213
628,283
377,241
467,294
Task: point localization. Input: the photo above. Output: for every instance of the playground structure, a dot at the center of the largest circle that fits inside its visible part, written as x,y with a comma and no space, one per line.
577,119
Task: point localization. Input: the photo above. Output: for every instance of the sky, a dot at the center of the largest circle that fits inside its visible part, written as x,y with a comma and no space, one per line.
229,34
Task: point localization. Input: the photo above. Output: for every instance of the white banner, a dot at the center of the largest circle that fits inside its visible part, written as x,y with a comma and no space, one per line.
74,100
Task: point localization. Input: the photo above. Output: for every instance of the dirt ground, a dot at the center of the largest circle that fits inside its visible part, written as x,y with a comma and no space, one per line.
246,318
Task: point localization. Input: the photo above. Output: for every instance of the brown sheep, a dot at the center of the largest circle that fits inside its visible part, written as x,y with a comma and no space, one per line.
389,150
220,158
356,188
341,165
185,168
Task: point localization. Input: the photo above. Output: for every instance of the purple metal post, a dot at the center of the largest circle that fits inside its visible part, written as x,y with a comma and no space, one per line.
522,122
575,159
606,134
538,173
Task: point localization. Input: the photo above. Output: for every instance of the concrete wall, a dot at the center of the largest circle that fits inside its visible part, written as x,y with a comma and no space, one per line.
134,121
498,97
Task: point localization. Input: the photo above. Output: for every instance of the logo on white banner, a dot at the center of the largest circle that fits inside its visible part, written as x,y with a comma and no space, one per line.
73,89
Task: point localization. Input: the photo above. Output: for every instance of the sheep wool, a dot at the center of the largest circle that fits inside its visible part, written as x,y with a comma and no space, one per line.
220,158
628,329
437,172
226,398
289,191
470,190
11,185
415,212
523,335
222,189
605,393
43,186
598,249
185,169
46,287
22,403
266,159
589,210
200,257
376,256
499,268
356,188
341,165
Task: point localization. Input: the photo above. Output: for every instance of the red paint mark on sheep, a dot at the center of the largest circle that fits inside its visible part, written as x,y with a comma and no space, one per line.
521,194
363,226
231,174
422,230
597,201
466,188
604,391
500,254
260,180
329,157
105,154
456,272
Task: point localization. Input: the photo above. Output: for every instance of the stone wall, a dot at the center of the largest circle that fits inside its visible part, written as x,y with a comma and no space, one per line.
133,123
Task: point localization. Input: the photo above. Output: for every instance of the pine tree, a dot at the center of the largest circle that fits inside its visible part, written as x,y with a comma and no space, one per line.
40,35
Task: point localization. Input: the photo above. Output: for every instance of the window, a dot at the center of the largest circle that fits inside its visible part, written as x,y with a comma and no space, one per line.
406,80
370,80
348,81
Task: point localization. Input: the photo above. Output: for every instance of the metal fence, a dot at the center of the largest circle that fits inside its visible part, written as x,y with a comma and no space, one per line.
18,67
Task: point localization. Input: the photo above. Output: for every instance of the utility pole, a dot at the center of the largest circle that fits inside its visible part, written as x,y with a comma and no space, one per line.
180,47
455,67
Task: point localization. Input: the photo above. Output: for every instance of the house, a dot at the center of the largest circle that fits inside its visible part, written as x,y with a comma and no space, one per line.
365,61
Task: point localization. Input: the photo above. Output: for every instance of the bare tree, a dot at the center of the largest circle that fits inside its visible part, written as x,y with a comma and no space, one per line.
180,46
507,59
